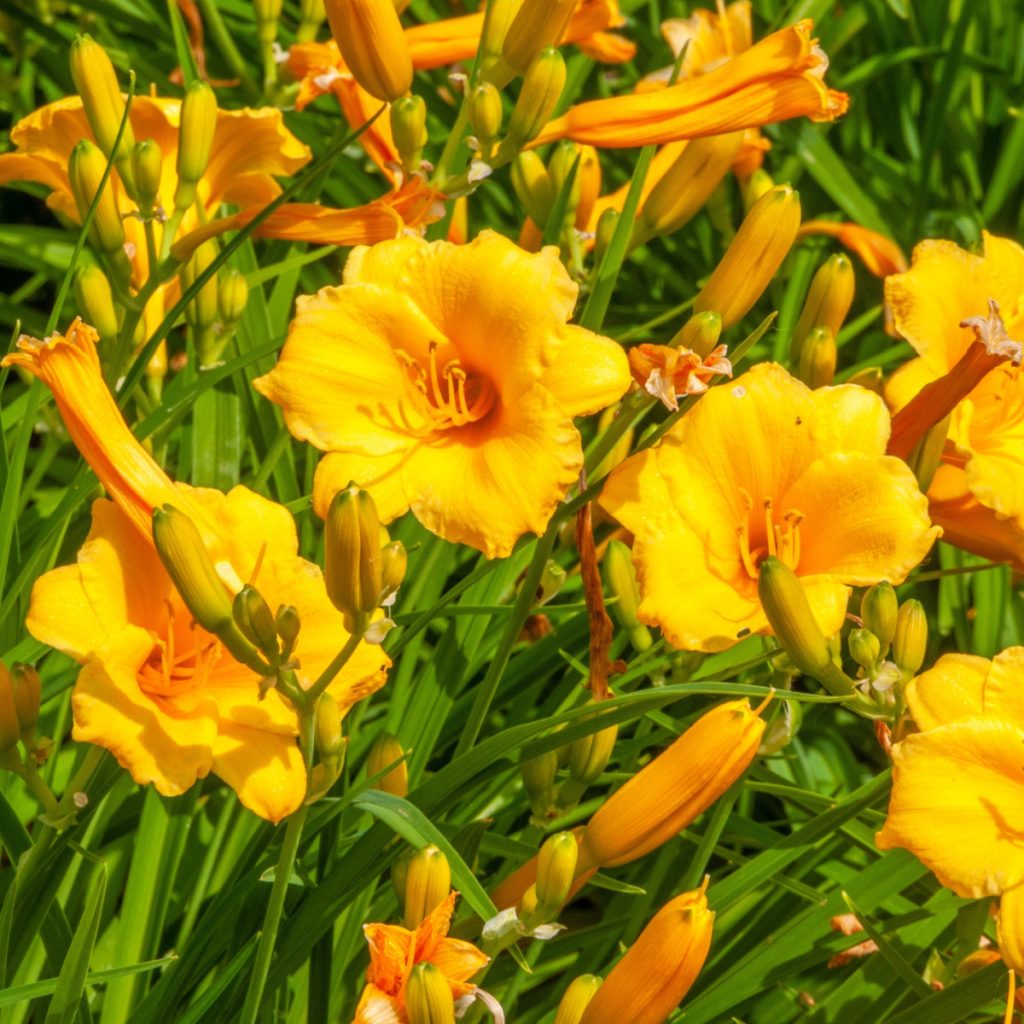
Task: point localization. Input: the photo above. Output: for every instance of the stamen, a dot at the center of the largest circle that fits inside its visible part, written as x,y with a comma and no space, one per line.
441,396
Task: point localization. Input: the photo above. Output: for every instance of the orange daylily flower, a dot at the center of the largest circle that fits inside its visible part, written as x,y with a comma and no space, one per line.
437,373
942,305
765,466
957,800
156,690
667,372
394,951
780,77
879,254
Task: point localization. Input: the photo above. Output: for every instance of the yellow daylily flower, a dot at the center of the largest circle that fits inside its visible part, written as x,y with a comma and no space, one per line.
156,690
939,305
395,950
444,379
765,466
957,799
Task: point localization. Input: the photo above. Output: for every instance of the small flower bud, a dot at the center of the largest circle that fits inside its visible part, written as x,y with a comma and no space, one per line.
370,38
288,624
789,614
85,171
409,130
537,25
539,782
394,560
700,333
428,996
576,998
147,167
565,161
267,14
879,609
330,743
864,647
621,583
10,727
352,570
496,25
253,617
428,878
311,16
556,869
485,113
232,295
96,301
202,312
195,140
385,753
589,755
755,186
828,300
817,365
538,97
926,456
754,255
606,225
533,187
910,642
27,689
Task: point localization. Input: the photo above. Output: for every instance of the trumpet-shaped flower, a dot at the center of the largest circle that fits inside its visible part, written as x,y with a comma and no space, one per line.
765,466
394,951
939,306
958,800
158,691
780,77
444,379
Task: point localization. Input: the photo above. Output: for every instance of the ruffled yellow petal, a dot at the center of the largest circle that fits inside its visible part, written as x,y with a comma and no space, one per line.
587,373
1004,688
957,804
155,739
381,475
458,961
849,418
950,691
1011,928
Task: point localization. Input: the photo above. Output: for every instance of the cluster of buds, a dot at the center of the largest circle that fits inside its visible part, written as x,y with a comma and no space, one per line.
216,308
813,347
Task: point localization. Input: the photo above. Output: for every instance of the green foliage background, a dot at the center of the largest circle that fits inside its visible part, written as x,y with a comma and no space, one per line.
147,910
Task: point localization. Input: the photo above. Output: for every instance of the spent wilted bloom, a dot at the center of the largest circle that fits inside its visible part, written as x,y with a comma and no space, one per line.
957,795
444,379
155,688
765,466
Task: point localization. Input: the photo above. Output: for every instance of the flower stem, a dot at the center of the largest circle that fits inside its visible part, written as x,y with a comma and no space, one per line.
328,674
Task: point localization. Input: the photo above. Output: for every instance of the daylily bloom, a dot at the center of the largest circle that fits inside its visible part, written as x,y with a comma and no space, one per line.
444,378
156,690
941,306
667,372
957,795
879,254
765,466
394,951
780,77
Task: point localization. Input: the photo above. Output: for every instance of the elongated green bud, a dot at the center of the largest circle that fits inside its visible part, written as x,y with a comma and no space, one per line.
96,301
606,225
817,366
926,457
409,130
500,14
267,14
253,617
620,580
85,171
538,97
27,689
828,300
485,113
394,560
195,141
879,609
700,333
910,643
537,25
311,17
385,752
352,549
576,998
539,782
864,647
147,166
556,868
10,728
203,310
428,996
288,624
428,879
533,187
232,295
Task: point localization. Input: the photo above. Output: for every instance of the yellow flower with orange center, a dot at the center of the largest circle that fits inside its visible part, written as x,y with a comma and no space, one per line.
939,305
155,689
395,950
444,379
765,466
958,797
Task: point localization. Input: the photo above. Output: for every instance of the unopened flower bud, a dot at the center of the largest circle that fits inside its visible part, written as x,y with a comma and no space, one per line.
754,255
606,225
788,611
533,187
686,186
619,450
870,378
27,689
879,609
267,14
96,82
577,997
428,878
195,140
650,981
330,743
85,171
539,782
288,624
589,755
565,161
147,167
780,731
538,97
370,38
817,365
203,310
828,300
10,728
386,755
556,869
253,617
394,560
926,456
352,570
910,642
700,333
864,647
621,583
96,301
537,25
409,130
428,996
552,579
496,25
485,113
232,295
752,188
